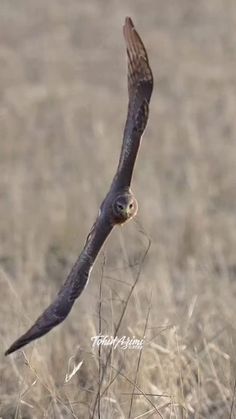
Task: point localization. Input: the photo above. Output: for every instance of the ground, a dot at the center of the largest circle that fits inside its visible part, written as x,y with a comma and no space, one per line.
63,101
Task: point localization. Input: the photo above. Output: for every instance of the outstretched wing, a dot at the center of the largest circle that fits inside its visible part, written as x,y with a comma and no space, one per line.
140,86
72,288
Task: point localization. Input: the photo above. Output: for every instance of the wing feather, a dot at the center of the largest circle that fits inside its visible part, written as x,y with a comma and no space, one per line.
75,283
140,86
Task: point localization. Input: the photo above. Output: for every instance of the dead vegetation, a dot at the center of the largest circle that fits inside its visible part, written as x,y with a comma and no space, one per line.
62,109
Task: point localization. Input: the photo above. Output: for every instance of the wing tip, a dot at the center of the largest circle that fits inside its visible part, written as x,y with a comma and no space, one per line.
134,43
128,26
16,345
138,62
9,350
129,22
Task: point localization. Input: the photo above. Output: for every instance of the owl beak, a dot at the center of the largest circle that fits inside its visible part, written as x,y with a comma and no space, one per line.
126,212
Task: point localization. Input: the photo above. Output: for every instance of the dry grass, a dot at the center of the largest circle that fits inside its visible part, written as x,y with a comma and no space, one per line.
62,110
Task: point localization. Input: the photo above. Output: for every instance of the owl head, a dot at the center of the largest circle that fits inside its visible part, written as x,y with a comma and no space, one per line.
124,207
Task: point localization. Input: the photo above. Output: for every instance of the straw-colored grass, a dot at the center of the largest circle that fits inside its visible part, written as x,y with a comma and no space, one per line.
62,110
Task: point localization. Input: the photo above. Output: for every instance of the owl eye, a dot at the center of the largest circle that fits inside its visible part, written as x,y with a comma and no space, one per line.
120,206
131,205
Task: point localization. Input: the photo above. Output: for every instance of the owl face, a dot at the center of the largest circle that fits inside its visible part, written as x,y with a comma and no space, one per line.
124,208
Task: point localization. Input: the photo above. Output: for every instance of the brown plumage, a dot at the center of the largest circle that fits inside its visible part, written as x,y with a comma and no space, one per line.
119,205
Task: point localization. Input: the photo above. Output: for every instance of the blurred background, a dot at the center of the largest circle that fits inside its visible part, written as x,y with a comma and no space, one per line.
63,104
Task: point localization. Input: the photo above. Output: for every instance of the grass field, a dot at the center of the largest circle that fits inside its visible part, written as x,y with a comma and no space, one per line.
63,101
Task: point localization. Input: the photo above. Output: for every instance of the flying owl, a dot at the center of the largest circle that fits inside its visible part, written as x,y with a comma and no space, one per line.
119,205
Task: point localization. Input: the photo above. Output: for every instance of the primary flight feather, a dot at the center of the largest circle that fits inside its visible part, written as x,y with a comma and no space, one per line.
119,204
